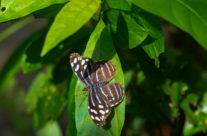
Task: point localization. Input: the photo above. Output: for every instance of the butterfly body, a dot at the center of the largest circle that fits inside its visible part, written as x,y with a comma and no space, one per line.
102,94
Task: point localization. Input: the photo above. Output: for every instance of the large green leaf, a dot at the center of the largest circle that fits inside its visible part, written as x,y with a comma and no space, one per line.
18,8
188,15
68,21
99,43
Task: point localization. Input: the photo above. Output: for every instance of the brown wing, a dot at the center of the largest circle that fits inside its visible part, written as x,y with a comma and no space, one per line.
82,67
113,93
103,71
98,107
101,99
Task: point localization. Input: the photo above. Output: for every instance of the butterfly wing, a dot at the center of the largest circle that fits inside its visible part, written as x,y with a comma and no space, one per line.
113,93
98,107
101,99
82,67
103,71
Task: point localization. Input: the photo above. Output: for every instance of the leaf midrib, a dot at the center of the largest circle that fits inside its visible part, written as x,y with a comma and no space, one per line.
192,11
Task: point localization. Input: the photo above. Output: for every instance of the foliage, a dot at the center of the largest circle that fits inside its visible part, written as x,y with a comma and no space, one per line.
165,88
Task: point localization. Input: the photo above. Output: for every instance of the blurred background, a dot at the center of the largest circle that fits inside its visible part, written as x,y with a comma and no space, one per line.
180,49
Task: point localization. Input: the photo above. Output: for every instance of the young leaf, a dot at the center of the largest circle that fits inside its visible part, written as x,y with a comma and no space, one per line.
68,21
99,47
188,15
14,9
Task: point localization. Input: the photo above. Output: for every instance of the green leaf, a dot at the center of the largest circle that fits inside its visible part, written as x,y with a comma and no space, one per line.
185,105
119,4
31,56
154,44
32,59
125,26
48,12
174,90
46,99
50,129
99,43
127,77
188,15
19,8
68,21
153,48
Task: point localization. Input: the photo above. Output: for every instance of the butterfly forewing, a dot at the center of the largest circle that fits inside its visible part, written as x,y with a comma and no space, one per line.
98,107
113,93
82,67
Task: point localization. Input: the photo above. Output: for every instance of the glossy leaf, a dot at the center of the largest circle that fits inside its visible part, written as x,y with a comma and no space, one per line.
96,49
188,15
18,8
68,21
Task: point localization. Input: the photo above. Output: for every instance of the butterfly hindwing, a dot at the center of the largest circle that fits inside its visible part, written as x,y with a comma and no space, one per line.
82,67
112,92
98,107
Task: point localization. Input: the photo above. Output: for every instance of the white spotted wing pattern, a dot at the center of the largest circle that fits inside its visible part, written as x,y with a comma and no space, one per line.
102,95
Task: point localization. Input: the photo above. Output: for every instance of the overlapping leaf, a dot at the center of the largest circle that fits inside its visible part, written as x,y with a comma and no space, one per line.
154,44
126,32
32,59
68,21
188,15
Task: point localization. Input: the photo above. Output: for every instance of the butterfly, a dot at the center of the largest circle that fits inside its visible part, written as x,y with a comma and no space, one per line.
102,95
